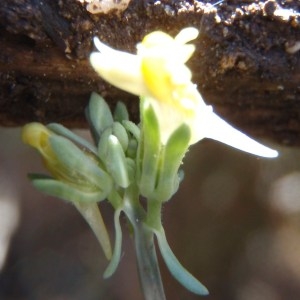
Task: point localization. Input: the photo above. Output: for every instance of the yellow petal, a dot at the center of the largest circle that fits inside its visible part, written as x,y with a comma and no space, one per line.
36,135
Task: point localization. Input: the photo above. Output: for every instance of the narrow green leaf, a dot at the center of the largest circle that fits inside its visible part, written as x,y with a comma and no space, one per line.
121,112
92,215
115,260
116,162
131,168
33,176
132,148
120,132
176,269
102,145
64,191
132,128
99,115
65,132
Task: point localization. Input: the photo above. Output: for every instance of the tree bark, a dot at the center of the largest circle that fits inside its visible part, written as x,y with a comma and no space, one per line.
247,62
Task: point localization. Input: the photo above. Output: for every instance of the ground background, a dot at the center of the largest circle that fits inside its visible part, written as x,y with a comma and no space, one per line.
235,220
247,62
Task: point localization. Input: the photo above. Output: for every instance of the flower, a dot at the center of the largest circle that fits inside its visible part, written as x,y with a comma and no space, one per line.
159,75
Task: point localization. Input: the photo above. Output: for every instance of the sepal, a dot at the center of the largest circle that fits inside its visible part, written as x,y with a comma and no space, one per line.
158,164
148,157
171,159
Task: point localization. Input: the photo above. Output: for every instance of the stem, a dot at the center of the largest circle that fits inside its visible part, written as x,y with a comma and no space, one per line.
148,268
153,219
147,263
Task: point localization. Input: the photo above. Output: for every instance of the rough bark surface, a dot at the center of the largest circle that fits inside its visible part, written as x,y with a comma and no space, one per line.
247,62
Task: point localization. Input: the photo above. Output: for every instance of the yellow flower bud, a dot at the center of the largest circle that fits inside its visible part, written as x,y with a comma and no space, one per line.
37,135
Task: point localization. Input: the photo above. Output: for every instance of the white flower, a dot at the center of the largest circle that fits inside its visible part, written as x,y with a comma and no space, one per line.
159,75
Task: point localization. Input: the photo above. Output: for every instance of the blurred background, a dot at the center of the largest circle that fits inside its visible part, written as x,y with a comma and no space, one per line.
234,224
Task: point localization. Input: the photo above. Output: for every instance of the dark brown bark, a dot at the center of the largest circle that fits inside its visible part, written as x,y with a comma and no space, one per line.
247,64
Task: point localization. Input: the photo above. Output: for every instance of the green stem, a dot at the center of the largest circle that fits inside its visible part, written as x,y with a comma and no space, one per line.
148,268
147,263
153,219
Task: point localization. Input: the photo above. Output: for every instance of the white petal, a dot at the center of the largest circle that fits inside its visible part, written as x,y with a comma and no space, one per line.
219,130
183,53
119,68
186,35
